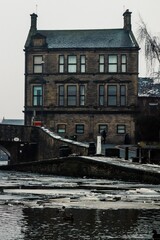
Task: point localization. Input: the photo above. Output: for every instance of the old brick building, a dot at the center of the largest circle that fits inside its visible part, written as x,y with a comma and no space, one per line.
78,82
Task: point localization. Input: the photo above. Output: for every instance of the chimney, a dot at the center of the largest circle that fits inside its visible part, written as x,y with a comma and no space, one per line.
127,20
33,22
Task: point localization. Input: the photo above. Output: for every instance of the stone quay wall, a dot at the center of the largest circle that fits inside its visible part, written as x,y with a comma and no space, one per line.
89,168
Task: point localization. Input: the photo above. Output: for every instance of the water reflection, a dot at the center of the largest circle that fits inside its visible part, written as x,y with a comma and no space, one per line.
102,209
48,224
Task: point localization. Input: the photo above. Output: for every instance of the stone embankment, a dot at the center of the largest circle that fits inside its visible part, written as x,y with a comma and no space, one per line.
93,167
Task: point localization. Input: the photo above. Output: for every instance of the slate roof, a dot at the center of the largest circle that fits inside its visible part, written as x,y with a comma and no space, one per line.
13,121
92,38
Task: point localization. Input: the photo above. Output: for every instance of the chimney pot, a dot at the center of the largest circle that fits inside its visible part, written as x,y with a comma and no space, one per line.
127,20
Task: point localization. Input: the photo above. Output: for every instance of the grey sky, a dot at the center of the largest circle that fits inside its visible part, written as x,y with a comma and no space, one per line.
58,14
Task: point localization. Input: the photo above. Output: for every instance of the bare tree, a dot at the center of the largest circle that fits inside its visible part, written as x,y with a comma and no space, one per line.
151,46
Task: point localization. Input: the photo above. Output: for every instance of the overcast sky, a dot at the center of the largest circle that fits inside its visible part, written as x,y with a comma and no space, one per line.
58,14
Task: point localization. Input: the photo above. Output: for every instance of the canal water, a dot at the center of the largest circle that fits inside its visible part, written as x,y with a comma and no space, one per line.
31,208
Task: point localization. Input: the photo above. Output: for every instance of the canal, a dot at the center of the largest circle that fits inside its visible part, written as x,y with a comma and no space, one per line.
32,208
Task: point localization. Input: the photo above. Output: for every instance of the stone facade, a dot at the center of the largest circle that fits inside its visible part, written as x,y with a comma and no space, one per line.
78,82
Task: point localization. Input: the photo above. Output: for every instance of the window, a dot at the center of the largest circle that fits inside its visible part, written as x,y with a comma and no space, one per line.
61,64
81,95
101,63
112,95
123,63
101,95
103,127
121,129
61,128
82,64
72,64
122,95
112,63
80,128
116,95
72,95
37,96
61,95
37,64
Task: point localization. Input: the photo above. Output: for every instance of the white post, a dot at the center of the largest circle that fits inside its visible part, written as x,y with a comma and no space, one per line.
98,145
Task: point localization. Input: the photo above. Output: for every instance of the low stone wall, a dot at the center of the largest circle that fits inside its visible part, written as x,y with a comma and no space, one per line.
80,167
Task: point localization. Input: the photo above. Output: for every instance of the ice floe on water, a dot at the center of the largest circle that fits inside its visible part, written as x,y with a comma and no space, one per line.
41,191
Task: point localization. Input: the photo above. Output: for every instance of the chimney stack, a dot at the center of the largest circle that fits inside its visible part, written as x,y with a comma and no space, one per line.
33,22
127,20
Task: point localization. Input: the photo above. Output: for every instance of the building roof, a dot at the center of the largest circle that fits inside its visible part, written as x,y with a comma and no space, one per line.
96,38
84,38
12,121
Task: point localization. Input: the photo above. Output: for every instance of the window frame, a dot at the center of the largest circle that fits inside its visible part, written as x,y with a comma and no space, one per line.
112,64
123,63
111,96
71,96
60,130
81,130
81,95
101,127
71,64
61,96
122,95
121,129
82,63
61,64
101,95
37,99
38,64
101,63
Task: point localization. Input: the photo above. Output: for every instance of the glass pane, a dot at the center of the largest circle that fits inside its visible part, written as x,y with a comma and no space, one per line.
37,100
82,100
72,90
101,90
112,59
72,68
61,59
112,101
72,59
101,68
61,68
61,128
124,69
79,128
81,90
112,68
101,59
37,68
38,60
103,127
61,100
83,59
83,68
61,90
123,100
101,100
37,90
123,90
71,101
112,90
121,129
123,59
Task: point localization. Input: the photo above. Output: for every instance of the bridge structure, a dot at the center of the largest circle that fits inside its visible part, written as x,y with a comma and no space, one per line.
37,149
31,143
